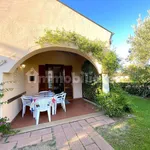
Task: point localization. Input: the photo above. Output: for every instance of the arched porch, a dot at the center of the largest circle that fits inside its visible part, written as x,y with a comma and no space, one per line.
52,55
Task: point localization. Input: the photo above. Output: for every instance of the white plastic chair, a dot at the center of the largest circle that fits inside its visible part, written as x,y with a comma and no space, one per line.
60,99
41,106
48,94
26,101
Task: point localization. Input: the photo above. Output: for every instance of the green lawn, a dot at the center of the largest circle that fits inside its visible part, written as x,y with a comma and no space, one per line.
130,133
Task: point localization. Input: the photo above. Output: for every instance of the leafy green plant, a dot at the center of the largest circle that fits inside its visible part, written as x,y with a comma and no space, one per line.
138,89
90,91
97,48
140,77
5,126
139,42
114,103
91,81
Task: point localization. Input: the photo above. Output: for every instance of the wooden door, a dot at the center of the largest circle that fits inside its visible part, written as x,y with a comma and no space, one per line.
68,81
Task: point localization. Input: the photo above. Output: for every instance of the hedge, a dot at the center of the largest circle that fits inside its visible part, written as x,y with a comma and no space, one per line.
142,90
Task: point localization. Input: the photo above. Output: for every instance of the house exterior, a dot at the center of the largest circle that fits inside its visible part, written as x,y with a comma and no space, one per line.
21,24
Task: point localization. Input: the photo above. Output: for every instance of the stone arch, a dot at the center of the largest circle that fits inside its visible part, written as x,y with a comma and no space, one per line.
57,48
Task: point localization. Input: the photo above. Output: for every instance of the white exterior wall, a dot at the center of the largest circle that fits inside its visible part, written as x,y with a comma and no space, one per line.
22,22
12,109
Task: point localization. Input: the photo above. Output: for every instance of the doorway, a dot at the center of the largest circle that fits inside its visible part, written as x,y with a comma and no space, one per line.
56,78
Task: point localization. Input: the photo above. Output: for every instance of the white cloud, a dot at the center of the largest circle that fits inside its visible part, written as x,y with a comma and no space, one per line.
122,51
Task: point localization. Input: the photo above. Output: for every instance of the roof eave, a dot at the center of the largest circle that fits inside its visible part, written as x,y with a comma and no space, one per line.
112,33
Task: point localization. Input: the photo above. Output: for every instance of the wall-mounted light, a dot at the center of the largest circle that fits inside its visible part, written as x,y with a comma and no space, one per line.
23,66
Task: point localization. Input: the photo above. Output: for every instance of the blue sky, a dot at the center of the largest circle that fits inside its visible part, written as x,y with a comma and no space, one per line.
116,15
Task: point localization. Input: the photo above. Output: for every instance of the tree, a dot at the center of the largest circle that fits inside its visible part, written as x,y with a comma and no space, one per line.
140,75
140,42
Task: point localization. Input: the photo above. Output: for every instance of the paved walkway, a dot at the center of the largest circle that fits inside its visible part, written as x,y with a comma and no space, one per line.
78,135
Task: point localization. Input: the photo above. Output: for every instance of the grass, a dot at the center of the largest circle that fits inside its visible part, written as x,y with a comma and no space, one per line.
130,133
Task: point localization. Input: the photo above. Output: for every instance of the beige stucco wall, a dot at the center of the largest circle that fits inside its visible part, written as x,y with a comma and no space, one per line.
55,57
12,109
22,22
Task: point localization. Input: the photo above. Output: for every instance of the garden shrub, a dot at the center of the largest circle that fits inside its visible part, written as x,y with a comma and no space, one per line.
91,81
5,126
90,90
114,103
142,90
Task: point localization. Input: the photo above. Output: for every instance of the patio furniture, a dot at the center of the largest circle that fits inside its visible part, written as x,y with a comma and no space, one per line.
42,105
50,94
60,99
43,93
26,101
46,93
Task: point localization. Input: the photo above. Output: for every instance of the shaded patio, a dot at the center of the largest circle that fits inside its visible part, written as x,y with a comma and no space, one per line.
77,107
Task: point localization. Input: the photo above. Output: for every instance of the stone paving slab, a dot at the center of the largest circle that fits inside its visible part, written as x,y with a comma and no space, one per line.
77,135
101,143
86,141
69,133
94,133
109,120
28,141
92,147
67,125
47,137
61,140
90,120
65,148
2,141
18,137
57,129
8,146
98,123
99,118
83,123
88,129
76,145
76,126
40,132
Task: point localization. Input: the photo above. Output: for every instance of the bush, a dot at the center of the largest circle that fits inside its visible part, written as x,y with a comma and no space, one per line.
142,90
5,127
115,103
90,91
91,81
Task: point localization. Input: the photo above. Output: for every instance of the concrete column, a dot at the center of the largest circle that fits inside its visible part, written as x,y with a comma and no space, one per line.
105,83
